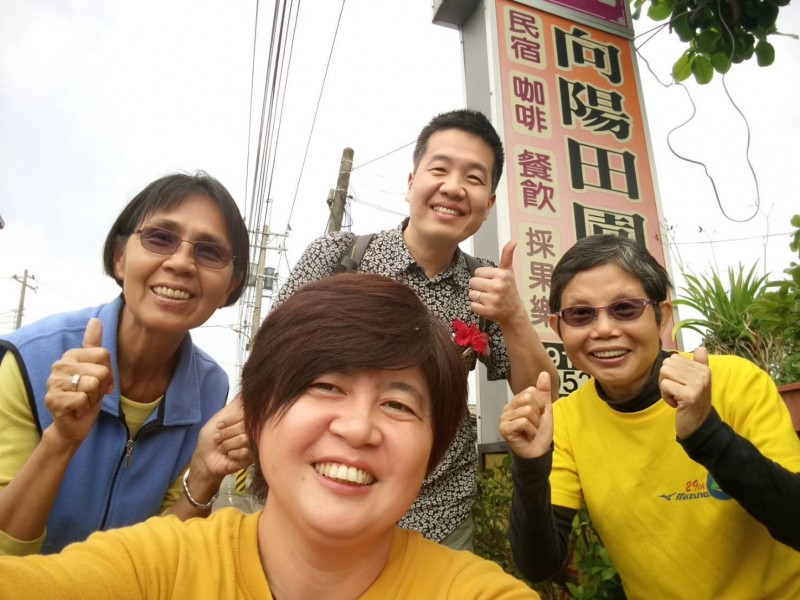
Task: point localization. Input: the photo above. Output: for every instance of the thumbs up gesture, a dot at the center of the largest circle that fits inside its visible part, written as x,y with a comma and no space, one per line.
686,386
77,383
493,290
527,420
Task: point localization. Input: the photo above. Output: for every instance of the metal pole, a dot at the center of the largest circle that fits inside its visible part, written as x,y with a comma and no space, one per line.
21,306
255,323
340,194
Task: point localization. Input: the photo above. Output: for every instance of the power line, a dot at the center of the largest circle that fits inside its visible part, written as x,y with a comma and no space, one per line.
651,33
250,108
378,207
272,107
384,155
285,70
285,17
316,112
740,239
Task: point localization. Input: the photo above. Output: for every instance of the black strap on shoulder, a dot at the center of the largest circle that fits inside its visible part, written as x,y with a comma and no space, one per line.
472,263
351,259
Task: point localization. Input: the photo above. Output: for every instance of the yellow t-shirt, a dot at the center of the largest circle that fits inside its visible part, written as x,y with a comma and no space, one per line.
19,437
668,530
217,557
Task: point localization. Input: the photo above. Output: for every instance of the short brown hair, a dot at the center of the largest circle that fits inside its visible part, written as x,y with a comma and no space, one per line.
343,323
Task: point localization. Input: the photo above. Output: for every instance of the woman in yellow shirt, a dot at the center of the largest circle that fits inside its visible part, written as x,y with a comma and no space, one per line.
687,463
351,394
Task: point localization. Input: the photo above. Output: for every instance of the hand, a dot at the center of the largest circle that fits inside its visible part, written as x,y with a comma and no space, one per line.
527,420
493,290
223,446
686,386
75,410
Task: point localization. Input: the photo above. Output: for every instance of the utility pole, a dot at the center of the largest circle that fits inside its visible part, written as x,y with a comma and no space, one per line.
255,323
25,285
339,200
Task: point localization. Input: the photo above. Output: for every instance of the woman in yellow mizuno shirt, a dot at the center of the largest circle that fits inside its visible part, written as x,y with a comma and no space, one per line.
687,462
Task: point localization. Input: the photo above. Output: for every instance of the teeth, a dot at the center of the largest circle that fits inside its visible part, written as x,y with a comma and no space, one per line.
609,353
170,293
446,211
344,473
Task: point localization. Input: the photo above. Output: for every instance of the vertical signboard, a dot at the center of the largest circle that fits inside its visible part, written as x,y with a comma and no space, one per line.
559,80
577,156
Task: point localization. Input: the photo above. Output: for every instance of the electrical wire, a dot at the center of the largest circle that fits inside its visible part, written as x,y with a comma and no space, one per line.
651,33
282,35
384,155
739,239
250,107
314,120
274,91
378,207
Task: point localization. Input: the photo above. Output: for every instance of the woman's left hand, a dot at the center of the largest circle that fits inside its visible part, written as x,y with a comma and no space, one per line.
686,386
222,446
231,449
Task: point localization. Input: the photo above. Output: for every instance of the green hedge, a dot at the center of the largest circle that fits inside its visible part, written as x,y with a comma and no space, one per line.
590,576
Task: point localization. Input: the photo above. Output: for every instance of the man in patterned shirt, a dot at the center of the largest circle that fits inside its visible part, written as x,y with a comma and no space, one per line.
458,161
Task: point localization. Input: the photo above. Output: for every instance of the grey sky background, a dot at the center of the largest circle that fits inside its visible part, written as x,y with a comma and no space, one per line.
98,98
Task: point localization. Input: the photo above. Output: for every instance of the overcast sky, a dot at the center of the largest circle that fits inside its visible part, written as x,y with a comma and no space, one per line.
98,98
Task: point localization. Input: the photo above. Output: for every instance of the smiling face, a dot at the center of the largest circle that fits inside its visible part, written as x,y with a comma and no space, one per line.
172,293
619,354
348,457
450,194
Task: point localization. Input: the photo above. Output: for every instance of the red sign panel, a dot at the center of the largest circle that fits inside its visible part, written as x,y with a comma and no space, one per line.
611,11
577,157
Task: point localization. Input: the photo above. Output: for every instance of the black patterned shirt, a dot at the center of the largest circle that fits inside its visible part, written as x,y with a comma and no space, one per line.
448,493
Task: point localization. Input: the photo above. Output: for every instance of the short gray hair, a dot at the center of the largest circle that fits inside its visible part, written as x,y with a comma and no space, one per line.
628,255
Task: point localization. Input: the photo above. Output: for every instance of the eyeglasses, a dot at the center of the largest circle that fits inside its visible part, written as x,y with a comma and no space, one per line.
628,309
164,241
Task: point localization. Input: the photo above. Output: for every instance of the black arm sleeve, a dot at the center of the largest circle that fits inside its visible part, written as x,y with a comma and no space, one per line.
766,490
539,532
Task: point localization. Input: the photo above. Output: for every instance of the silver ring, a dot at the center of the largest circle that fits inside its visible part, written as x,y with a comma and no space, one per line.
478,299
74,382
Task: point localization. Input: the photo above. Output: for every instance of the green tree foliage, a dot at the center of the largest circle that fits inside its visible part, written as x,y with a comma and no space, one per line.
726,319
749,316
490,516
717,33
590,575
778,310
596,576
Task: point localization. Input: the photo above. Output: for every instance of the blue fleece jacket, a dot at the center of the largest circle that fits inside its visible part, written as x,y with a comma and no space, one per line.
107,484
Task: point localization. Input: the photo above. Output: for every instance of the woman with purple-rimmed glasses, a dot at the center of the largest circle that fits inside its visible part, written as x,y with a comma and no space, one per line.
686,462
103,409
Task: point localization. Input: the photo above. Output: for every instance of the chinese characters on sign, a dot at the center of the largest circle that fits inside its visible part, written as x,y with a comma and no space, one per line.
578,161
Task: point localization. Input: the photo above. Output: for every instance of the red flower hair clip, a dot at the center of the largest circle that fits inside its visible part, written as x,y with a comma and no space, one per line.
470,337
